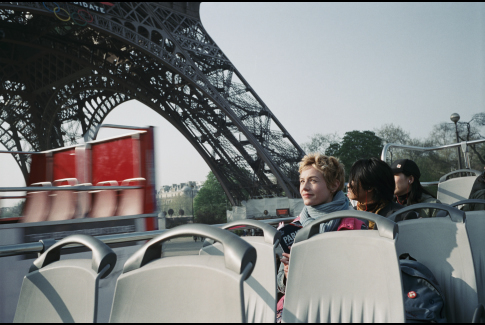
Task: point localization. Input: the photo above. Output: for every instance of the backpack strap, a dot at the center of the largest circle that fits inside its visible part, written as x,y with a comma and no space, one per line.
405,256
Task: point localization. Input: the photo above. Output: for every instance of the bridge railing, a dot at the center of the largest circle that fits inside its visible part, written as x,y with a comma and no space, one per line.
39,247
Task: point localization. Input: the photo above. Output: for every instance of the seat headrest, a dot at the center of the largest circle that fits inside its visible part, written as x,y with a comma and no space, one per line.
103,255
238,254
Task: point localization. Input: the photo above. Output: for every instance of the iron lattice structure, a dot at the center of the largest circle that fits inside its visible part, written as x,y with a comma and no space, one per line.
65,66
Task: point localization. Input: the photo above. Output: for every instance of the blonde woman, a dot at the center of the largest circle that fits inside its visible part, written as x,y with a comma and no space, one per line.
321,184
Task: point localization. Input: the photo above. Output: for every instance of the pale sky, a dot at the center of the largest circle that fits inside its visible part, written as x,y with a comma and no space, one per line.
334,67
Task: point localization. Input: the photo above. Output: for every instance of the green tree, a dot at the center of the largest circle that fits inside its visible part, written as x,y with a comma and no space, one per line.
210,203
356,145
333,150
12,212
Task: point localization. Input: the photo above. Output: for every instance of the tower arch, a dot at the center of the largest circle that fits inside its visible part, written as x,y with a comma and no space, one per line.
73,75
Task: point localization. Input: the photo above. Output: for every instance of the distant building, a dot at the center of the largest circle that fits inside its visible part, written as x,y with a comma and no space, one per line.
178,198
189,189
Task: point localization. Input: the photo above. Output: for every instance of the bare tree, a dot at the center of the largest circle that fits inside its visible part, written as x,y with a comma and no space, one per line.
445,133
473,130
320,142
390,133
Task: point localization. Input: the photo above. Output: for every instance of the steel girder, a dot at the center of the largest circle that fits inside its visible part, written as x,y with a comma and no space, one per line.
59,80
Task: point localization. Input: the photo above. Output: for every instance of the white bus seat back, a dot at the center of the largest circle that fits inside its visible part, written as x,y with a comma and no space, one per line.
184,288
61,292
345,276
104,201
131,201
475,226
63,203
442,245
37,204
455,189
178,289
67,290
260,292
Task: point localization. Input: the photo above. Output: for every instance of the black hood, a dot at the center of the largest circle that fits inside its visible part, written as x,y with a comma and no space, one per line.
479,184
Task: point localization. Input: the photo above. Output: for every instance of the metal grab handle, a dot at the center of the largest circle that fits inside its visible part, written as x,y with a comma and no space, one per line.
271,235
479,314
468,201
444,178
385,227
456,215
102,254
237,252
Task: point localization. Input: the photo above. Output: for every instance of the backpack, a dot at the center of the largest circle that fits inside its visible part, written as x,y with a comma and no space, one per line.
423,298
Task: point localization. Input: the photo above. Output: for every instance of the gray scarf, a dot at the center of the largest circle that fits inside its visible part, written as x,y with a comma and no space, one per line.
310,213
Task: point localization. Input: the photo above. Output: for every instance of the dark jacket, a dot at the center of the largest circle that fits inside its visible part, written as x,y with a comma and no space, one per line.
477,192
428,213
394,207
390,209
479,195
424,213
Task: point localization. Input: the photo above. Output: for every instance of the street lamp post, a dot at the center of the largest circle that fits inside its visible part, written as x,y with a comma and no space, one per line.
192,195
455,117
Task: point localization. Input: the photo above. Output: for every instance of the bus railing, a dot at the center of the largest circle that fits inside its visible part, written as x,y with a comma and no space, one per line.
39,247
463,145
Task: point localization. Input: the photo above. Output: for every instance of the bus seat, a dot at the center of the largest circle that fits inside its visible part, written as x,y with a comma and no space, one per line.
131,201
37,204
69,181
345,276
63,203
451,190
104,201
190,288
260,291
442,244
475,227
67,290
83,202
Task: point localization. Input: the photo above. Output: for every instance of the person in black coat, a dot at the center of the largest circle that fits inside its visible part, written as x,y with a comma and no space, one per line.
477,192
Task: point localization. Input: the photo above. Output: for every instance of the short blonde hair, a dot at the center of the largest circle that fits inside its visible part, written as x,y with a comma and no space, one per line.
331,168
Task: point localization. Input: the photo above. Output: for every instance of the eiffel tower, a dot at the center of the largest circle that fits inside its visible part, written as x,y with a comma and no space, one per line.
65,66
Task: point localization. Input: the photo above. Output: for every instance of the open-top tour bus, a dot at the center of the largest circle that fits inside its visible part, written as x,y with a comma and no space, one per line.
101,187
102,193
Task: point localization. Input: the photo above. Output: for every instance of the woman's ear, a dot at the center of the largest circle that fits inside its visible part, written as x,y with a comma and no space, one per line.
335,186
411,179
